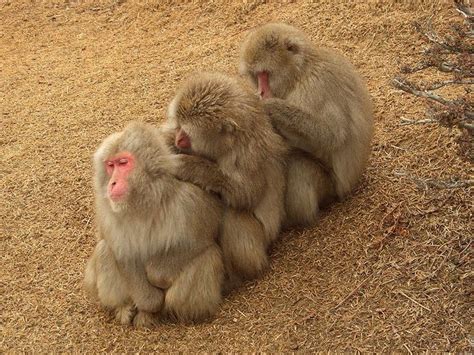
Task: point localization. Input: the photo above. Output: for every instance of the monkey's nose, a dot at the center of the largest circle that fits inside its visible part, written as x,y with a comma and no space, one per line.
114,183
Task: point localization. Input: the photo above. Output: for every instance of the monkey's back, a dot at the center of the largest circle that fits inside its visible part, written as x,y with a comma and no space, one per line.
334,90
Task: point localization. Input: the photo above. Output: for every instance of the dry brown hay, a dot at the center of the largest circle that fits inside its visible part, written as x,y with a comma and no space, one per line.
389,269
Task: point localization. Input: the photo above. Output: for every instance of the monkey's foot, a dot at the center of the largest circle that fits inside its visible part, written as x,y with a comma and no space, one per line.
125,314
231,282
144,320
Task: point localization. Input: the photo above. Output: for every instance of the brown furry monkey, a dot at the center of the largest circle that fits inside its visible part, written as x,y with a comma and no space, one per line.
320,105
231,149
157,250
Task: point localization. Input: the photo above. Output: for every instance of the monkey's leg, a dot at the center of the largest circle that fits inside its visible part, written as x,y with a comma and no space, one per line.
145,297
109,285
90,276
196,292
308,185
243,246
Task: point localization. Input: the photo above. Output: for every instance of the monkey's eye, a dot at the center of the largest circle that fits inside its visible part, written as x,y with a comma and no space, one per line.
293,48
109,163
123,161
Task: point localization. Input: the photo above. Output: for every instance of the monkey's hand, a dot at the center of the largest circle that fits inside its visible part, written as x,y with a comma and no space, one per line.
282,116
148,298
197,170
169,132
208,176
310,133
157,277
169,163
178,165
145,297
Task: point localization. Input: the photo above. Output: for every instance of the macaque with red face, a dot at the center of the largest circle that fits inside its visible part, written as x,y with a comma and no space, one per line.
157,251
319,103
229,148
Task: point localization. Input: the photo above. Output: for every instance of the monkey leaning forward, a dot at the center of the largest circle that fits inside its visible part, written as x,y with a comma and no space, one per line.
230,148
157,250
320,105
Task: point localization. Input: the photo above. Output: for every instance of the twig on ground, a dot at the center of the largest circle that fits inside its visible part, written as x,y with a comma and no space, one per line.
409,87
424,183
440,84
407,121
464,10
414,301
352,292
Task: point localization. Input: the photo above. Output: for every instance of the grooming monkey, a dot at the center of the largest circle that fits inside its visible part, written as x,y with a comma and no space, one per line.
320,105
157,250
231,149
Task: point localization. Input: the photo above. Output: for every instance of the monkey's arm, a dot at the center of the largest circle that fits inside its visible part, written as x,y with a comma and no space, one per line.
146,297
310,133
209,177
162,270
169,134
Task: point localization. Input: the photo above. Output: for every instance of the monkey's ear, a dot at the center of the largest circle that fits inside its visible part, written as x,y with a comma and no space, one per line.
292,46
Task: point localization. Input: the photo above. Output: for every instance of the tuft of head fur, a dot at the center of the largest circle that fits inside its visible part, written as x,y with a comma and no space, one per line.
219,112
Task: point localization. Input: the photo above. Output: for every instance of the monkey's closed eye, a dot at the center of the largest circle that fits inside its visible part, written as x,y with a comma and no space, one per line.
291,47
123,161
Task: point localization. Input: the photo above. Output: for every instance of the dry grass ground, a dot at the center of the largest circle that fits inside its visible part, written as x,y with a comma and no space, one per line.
389,269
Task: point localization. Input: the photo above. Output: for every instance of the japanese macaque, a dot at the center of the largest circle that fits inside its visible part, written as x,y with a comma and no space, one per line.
320,105
157,250
230,149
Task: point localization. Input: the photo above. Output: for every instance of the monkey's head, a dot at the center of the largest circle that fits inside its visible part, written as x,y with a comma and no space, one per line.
208,115
125,169
273,57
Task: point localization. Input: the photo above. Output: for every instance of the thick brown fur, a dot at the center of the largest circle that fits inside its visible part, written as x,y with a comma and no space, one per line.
237,155
321,106
157,250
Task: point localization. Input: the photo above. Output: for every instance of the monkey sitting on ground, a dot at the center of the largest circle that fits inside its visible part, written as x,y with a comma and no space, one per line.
230,148
157,250
320,105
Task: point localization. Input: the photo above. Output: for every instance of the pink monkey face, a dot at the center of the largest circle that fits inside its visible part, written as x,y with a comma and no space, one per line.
182,140
118,168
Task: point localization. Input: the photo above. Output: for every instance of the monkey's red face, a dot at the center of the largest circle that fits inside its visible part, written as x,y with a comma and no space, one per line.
273,56
182,140
204,142
118,169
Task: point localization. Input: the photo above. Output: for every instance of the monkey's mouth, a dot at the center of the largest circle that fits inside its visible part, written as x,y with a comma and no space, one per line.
117,197
263,85
118,206
117,191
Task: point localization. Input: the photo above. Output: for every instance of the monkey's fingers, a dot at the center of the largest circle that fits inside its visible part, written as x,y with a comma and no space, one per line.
167,164
125,314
